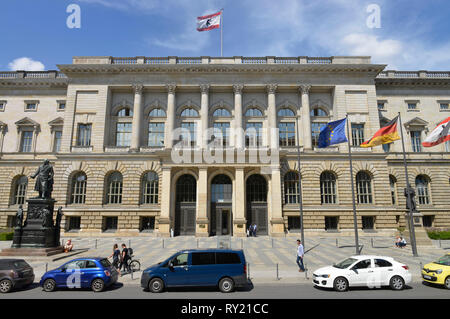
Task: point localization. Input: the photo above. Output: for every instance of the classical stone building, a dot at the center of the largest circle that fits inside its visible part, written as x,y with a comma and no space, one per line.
106,124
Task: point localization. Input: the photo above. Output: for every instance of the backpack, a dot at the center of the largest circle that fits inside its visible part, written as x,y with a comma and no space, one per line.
130,251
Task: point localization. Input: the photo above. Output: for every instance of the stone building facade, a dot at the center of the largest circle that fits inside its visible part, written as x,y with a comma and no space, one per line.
111,129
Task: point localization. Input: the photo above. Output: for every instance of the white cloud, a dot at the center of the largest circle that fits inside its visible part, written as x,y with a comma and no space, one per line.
26,64
366,44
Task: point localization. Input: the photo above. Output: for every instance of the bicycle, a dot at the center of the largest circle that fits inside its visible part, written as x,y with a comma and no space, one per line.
134,264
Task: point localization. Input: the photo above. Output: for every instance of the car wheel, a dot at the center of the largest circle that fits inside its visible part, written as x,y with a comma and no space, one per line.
340,284
397,283
226,285
447,282
49,285
5,286
156,285
97,285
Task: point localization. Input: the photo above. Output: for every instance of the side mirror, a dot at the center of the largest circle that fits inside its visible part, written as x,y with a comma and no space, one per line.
63,269
171,265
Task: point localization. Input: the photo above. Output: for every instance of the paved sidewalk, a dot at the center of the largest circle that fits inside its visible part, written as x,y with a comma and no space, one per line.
264,254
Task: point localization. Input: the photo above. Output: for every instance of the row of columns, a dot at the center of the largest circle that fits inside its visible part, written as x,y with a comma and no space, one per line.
238,118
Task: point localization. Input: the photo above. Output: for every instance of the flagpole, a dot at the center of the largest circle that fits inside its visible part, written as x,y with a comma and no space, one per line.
355,220
300,199
408,194
221,38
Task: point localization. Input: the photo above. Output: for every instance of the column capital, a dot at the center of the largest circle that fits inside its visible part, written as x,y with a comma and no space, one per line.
271,88
138,88
171,87
204,88
304,88
237,88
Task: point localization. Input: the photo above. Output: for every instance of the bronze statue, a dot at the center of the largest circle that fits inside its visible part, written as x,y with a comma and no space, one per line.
412,194
19,217
44,180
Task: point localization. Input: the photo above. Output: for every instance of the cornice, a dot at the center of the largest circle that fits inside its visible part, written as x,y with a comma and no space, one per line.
427,82
35,83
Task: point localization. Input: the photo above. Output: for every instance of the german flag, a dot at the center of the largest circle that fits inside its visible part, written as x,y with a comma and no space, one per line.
386,134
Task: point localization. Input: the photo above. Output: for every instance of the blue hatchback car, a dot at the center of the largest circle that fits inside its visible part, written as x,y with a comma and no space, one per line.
94,273
225,269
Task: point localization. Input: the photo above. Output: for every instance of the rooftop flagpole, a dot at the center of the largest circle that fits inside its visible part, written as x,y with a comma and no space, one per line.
221,29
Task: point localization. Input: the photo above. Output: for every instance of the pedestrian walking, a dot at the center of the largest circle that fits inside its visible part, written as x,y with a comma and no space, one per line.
125,256
300,253
116,257
254,230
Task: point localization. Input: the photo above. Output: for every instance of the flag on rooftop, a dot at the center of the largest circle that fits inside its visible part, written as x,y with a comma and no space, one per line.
209,22
385,135
439,135
332,133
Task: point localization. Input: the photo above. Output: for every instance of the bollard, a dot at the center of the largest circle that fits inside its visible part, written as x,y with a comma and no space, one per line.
46,267
242,243
248,270
129,243
371,240
96,244
306,270
132,271
337,245
440,244
278,277
163,243
197,242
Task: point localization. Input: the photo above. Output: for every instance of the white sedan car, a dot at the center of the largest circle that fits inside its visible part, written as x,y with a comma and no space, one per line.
363,271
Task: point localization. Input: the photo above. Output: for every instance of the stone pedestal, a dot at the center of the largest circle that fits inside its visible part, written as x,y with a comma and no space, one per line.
421,235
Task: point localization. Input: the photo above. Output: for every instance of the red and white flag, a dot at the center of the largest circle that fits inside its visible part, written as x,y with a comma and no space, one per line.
439,135
209,22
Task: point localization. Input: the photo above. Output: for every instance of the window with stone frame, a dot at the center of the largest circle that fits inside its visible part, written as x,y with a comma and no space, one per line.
253,134
221,112
291,188
328,188
422,190
222,129
364,188
189,134
357,134
156,134
286,134
150,188
57,141
26,143
157,112
78,188
114,187
84,134
19,190
319,118
123,134
393,188
416,141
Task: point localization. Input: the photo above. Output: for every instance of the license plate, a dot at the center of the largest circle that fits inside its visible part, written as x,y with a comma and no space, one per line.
427,277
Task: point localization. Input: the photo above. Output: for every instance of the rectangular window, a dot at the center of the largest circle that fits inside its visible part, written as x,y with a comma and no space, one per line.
253,134
123,134
368,222
381,106
156,134
287,134
73,223
84,134
428,220
61,106
11,221
357,134
444,106
30,106
57,142
147,224
412,106
109,224
386,147
447,146
294,224
416,141
222,139
331,223
315,131
191,127
27,141
2,106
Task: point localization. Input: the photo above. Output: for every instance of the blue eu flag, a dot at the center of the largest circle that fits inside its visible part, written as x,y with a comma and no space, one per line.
332,133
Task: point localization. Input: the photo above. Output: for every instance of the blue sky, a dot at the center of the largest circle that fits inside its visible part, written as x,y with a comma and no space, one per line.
413,34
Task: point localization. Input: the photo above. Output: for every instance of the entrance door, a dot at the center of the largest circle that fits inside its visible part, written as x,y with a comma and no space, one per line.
223,221
257,214
221,203
256,189
185,205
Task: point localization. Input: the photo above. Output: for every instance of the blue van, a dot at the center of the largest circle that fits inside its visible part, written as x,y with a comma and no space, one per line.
222,268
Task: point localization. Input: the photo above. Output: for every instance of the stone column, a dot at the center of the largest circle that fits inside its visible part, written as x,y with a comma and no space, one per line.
202,222
170,123
166,194
306,121
272,110
137,118
276,219
204,89
238,125
239,220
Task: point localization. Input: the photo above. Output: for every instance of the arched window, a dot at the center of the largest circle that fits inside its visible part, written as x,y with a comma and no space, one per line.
364,188
286,112
114,187
157,113
150,188
318,112
186,189
189,112
291,188
328,188
393,187
20,190
78,188
221,113
124,112
319,118
256,189
423,196
253,112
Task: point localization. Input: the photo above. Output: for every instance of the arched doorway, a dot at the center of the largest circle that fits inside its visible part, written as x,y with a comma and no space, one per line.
186,197
256,195
221,204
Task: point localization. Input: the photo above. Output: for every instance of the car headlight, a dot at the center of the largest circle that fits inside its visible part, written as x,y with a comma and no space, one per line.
439,271
325,276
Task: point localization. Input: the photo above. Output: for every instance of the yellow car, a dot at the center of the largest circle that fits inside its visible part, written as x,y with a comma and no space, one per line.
438,272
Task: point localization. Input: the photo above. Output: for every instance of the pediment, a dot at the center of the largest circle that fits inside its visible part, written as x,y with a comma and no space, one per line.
416,122
56,122
26,122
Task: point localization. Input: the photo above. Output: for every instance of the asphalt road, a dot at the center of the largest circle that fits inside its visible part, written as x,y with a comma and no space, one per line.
257,291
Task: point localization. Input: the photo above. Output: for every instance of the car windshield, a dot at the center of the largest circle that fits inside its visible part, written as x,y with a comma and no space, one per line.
345,263
19,264
105,263
444,260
